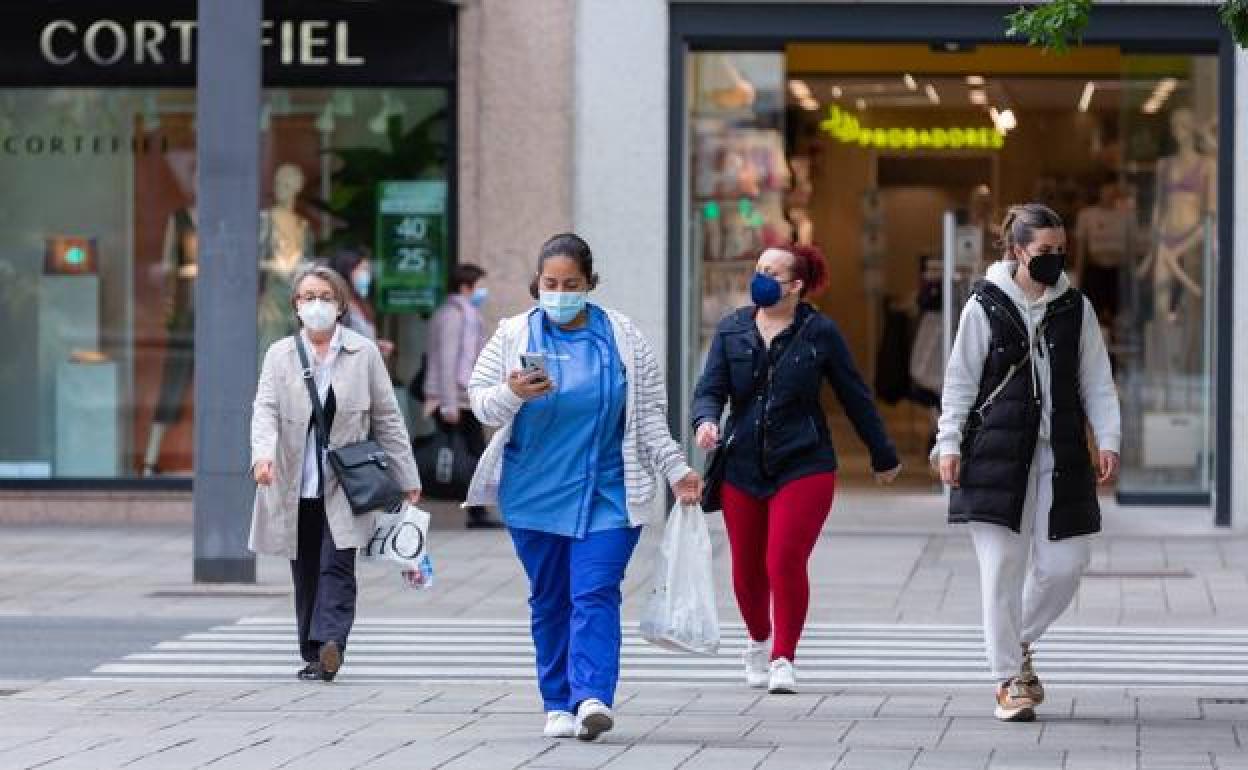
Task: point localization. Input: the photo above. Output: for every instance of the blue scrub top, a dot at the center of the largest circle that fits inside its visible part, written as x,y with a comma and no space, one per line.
563,469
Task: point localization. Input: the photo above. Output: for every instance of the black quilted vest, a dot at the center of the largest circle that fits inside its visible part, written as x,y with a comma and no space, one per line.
999,438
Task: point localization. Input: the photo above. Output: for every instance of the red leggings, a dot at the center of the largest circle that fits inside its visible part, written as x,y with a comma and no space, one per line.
771,541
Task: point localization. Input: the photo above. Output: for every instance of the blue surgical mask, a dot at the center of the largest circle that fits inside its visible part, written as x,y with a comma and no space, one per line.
479,296
362,283
765,290
562,307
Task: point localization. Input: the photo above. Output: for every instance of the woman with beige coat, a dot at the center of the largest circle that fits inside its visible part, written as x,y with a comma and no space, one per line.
301,512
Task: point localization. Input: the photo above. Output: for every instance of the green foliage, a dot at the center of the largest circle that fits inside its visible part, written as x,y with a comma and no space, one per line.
419,153
1234,15
1055,25
1052,26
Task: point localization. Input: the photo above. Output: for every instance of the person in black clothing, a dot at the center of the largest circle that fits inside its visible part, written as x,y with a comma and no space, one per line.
768,363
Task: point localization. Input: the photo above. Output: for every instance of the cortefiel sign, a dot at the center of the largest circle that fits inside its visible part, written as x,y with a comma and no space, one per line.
153,43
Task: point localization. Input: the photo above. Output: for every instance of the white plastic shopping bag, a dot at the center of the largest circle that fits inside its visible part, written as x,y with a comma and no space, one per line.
680,612
401,538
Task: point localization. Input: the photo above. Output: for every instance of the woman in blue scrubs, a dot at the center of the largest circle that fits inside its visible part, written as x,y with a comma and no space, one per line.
572,470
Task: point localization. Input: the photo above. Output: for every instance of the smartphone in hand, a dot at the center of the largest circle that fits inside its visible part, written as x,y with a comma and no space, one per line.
534,365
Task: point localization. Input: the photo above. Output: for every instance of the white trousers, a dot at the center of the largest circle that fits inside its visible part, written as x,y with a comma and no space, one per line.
1026,580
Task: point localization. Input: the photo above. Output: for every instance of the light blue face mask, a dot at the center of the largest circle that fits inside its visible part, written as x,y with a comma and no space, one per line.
562,307
479,296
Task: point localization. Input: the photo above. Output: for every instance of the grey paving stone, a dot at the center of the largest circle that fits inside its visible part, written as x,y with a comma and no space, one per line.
1116,706
1231,760
1190,735
897,732
578,754
1152,707
652,757
849,706
1101,759
703,728
786,706
914,706
1168,760
946,759
979,732
1089,735
1026,758
499,754
877,759
801,733
726,759
791,758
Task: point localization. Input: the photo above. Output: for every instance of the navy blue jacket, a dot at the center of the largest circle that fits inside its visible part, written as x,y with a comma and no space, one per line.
777,429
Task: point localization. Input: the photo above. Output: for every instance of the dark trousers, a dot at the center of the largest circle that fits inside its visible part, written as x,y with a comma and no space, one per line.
474,440
324,579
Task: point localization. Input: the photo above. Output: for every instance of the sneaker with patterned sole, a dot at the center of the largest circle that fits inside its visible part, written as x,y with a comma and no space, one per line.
1013,705
1028,679
757,663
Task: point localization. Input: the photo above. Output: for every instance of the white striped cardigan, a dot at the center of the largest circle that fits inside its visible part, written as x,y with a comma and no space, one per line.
648,449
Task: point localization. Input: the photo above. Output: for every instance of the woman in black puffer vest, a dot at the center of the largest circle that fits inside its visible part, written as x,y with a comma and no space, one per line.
1027,375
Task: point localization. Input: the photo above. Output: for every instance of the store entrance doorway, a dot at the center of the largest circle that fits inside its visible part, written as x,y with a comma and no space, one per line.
860,149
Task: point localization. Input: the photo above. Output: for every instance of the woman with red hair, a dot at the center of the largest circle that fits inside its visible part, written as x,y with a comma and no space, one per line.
768,363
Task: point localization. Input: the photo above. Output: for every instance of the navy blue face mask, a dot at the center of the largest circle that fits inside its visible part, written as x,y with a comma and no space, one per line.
765,290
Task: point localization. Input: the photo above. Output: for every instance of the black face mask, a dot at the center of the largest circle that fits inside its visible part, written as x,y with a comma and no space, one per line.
1046,268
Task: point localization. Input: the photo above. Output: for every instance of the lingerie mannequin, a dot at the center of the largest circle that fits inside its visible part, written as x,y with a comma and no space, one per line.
1186,201
285,243
180,266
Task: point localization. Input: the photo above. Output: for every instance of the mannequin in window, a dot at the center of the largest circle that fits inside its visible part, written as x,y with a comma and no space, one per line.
1102,243
1185,202
180,266
285,243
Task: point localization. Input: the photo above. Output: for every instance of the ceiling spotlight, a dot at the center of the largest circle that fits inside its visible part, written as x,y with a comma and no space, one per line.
837,92
799,89
910,82
861,104
1004,120
974,80
1085,99
932,96
978,96
810,105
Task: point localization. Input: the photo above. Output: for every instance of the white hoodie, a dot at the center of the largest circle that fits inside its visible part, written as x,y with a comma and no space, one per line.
970,350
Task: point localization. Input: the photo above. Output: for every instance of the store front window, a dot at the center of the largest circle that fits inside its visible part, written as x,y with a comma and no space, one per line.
821,144
94,276
356,178
99,247
1165,322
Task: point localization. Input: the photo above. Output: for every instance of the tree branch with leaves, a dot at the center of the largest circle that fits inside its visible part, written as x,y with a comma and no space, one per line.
1056,26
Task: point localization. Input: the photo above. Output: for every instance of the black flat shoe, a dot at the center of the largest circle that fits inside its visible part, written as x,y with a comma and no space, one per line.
483,524
310,673
331,660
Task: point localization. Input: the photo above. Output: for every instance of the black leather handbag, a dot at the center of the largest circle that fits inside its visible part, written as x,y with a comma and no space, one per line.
363,468
713,478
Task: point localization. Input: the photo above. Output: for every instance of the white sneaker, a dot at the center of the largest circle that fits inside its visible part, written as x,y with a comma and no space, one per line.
757,672
593,718
560,724
783,679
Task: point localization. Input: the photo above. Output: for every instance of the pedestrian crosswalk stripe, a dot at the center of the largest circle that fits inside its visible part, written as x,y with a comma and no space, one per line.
403,649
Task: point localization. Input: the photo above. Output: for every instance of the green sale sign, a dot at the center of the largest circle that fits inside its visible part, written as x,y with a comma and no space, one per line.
411,245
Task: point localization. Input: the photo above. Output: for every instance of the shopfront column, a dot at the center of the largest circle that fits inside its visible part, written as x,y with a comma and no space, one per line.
229,82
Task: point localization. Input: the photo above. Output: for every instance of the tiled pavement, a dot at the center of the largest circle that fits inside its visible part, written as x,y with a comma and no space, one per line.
883,561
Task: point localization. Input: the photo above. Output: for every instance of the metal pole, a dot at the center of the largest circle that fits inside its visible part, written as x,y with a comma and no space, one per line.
228,118
949,231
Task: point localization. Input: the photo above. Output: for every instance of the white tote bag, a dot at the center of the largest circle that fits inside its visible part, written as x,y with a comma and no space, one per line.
680,613
401,537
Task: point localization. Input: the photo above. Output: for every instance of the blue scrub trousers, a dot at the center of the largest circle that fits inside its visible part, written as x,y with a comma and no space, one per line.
574,597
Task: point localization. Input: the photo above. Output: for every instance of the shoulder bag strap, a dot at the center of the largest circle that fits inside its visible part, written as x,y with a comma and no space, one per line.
318,412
